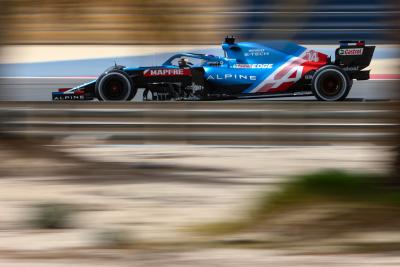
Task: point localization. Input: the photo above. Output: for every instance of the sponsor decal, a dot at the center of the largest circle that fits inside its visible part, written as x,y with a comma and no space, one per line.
353,68
253,66
308,77
351,51
69,97
256,52
167,72
215,63
229,76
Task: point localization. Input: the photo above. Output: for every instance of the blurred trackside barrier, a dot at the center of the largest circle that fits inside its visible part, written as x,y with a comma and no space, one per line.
196,22
229,123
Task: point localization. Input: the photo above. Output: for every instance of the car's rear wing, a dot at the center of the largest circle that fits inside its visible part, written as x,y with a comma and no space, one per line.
354,56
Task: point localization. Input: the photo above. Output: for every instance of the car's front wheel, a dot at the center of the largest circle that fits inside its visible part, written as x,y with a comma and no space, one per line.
330,83
115,86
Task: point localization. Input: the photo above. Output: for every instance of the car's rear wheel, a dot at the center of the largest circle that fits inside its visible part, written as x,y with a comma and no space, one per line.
115,86
330,83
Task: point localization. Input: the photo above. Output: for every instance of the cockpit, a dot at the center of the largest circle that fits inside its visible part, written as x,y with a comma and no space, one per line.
188,60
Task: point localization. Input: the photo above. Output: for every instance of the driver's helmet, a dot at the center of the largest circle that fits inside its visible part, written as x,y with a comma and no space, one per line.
183,62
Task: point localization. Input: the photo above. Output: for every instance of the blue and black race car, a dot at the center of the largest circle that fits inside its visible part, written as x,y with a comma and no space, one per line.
248,70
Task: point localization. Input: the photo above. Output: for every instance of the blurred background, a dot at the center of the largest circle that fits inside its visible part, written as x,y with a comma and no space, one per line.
196,22
286,183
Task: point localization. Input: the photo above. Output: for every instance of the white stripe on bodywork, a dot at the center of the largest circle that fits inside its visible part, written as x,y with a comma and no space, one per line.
270,78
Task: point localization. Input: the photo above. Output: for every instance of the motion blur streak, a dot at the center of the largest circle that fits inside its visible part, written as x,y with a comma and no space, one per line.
235,123
196,22
194,184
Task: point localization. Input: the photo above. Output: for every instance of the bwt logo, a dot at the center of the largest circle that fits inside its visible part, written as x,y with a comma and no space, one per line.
229,76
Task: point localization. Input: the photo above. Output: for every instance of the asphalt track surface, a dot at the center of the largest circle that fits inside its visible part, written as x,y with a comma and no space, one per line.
39,89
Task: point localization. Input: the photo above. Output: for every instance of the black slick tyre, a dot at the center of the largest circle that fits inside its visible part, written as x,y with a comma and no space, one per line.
115,85
330,83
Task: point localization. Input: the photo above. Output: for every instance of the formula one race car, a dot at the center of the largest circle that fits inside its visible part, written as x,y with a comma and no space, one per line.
248,70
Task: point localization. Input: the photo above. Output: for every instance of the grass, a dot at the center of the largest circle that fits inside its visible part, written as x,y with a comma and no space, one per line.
52,215
328,186
319,188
